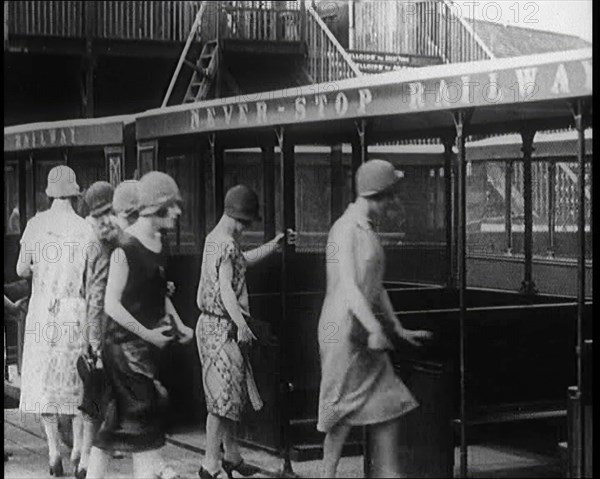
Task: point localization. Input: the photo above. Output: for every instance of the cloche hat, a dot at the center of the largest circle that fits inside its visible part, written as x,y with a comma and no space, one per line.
375,176
62,182
126,198
241,203
156,190
99,198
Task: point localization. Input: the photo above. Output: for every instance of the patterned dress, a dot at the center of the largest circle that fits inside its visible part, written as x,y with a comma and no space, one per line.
358,385
57,238
226,373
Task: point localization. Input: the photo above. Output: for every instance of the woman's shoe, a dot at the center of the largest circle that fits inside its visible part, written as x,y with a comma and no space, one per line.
56,468
241,467
204,474
80,473
75,463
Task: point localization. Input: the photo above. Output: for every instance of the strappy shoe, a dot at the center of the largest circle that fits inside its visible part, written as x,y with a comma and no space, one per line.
80,473
241,467
56,468
204,474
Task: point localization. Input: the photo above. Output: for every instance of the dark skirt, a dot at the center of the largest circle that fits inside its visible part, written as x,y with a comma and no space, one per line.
135,402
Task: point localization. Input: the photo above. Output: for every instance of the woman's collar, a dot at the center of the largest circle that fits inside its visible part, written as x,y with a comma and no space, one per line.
359,217
60,204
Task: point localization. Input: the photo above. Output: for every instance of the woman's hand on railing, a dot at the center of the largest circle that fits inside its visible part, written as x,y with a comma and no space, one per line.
291,236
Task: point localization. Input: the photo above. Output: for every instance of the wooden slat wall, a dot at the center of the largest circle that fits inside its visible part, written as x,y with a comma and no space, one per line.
418,28
115,20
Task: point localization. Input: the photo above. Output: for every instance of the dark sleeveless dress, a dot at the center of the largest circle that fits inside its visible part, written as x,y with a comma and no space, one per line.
134,405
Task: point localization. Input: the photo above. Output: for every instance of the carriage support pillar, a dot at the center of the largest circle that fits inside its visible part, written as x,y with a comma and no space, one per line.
551,207
450,210
268,161
337,182
360,146
509,165
527,135
217,170
578,116
288,210
461,122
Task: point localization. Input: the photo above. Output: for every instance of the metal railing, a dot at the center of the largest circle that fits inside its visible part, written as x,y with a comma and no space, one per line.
247,23
327,59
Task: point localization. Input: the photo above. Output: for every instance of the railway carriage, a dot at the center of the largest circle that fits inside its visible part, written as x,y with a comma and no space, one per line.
298,148
484,337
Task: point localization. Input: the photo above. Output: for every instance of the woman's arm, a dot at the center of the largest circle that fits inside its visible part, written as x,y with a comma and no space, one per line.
244,334
256,255
185,333
228,295
25,261
388,310
27,251
414,337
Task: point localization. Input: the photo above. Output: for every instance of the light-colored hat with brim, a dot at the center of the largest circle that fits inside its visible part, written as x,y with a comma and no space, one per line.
375,176
157,190
62,182
126,199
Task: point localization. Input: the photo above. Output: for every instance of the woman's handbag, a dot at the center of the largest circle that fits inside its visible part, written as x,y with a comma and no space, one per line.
94,384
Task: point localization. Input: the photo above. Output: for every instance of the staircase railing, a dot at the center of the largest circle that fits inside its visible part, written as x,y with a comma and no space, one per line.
327,59
191,35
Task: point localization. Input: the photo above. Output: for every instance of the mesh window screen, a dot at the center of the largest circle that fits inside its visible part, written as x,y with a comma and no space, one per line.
313,200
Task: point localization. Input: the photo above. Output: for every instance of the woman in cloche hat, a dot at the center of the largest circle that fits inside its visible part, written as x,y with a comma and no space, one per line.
358,383
142,322
222,331
53,255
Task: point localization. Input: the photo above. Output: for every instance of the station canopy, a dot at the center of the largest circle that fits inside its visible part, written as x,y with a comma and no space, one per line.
504,95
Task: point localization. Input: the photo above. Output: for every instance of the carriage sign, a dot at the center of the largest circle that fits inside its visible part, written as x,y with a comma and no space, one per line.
63,134
488,83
